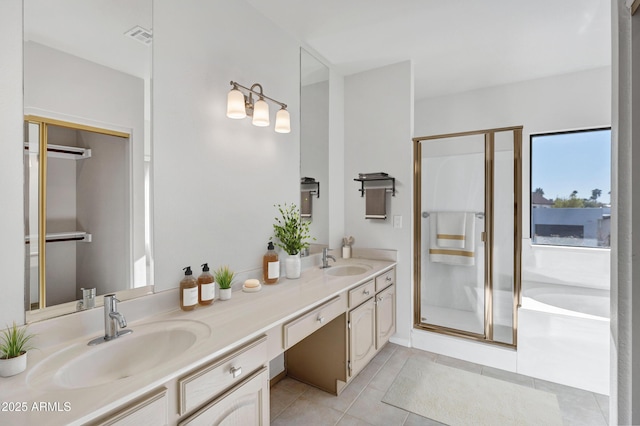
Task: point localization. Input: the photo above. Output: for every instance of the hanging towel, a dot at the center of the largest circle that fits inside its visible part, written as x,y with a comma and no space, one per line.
450,229
306,205
453,256
376,203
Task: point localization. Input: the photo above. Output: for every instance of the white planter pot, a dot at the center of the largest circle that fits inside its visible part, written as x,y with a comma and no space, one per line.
225,293
12,366
292,266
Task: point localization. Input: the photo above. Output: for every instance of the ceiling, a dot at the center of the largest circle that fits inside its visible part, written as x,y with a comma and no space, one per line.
92,29
454,45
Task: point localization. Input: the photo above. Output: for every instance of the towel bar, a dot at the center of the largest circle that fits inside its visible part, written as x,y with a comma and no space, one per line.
479,215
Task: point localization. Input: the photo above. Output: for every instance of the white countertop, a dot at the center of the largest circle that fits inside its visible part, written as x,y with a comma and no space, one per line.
232,322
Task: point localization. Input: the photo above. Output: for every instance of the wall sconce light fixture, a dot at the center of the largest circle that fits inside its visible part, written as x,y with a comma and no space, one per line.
240,105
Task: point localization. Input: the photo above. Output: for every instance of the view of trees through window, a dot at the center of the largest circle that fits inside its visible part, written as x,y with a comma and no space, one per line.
571,188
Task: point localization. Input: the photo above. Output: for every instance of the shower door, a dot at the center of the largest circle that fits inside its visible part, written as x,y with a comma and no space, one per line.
466,244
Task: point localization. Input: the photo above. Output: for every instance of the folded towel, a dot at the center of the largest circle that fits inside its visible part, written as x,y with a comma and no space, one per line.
450,229
453,256
306,206
376,203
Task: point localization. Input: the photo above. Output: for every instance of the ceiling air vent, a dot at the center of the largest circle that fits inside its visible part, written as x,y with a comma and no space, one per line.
140,34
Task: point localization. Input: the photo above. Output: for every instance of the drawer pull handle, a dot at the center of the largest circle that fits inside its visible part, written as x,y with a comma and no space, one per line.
388,278
366,292
380,299
236,371
320,320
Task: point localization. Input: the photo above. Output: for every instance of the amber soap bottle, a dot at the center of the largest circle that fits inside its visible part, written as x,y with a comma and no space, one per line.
206,286
270,265
188,291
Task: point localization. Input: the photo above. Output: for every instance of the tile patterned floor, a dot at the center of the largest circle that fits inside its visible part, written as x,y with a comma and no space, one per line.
360,404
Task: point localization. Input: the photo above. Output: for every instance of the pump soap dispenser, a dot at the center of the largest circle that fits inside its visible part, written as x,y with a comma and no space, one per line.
270,265
188,291
207,286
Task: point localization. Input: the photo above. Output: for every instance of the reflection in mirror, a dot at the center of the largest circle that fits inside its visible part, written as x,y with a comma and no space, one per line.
87,106
314,145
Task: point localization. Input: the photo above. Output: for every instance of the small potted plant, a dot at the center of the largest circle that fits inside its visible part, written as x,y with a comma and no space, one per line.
224,277
14,344
292,234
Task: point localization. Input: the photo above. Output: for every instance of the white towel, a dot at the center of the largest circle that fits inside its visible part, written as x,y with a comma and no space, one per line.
450,229
453,256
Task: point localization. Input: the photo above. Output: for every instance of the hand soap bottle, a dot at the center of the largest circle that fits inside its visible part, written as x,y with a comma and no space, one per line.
206,286
270,265
188,291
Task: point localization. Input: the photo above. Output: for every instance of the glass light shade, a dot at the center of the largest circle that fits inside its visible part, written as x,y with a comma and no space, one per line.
283,121
235,104
260,113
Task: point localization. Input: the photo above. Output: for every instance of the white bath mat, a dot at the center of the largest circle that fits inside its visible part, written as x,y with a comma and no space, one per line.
456,397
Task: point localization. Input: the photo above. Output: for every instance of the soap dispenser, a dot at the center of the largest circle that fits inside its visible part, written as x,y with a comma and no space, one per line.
188,291
206,286
270,265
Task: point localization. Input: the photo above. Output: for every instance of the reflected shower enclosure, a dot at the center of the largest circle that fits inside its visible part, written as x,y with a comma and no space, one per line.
467,236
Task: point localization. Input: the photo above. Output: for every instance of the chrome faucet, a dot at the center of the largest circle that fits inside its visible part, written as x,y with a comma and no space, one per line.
325,258
88,299
112,319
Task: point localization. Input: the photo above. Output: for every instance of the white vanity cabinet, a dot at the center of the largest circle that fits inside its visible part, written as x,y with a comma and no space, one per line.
231,390
335,353
362,336
247,403
150,410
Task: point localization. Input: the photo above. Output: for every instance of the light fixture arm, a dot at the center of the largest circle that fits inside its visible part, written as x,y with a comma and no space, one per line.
257,93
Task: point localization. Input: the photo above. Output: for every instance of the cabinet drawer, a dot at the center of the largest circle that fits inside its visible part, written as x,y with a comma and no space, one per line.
306,324
385,280
150,410
245,404
361,293
207,382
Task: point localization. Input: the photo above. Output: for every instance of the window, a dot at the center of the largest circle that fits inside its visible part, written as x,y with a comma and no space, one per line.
571,188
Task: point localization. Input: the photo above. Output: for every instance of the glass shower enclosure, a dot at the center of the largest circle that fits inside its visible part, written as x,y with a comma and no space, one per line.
467,233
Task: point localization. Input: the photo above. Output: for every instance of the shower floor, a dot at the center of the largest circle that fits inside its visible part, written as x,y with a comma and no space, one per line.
468,321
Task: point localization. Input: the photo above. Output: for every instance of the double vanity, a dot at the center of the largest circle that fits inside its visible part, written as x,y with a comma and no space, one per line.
203,366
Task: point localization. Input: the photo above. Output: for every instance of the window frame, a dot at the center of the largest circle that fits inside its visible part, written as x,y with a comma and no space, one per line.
531,189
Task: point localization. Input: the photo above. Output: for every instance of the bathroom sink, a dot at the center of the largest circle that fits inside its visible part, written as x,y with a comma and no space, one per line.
150,345
347,270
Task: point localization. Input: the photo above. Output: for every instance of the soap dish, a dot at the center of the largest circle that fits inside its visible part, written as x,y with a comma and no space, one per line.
251,289
251,286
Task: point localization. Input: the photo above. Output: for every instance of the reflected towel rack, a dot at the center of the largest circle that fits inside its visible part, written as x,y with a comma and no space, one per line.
479,215
376,177
311,181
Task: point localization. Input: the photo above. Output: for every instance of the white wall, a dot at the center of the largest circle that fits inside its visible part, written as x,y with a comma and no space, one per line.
216,179
378,128
11,170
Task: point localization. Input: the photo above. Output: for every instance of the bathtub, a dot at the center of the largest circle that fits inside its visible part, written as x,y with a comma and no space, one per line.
563,335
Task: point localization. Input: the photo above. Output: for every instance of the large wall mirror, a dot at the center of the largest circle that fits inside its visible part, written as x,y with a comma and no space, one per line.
87,80
314,145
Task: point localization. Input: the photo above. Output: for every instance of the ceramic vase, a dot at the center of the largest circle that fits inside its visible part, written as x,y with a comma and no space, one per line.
346,252
225,293
12,366
292,266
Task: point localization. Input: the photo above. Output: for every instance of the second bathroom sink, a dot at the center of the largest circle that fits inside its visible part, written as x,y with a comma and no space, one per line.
347,270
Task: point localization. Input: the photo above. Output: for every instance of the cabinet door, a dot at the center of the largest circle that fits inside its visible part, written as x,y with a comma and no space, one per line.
362,336
245,404
385,315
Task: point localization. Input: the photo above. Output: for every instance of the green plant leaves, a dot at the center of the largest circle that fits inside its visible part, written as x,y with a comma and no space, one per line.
290,230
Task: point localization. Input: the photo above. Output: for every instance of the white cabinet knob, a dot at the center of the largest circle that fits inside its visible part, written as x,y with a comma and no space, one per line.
320,320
